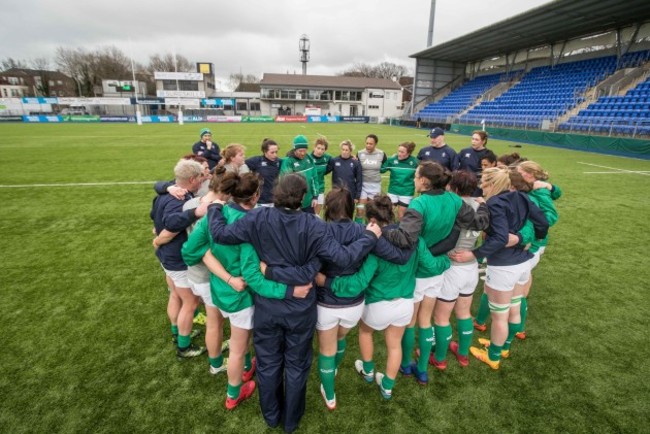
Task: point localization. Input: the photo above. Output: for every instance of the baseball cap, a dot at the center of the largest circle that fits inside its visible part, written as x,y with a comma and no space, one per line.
435,132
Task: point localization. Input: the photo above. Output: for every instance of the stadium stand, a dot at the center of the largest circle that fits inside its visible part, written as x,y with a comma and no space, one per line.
567,66
547,93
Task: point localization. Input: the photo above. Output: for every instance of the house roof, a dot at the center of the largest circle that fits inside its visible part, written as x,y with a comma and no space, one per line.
248,87
327,81
558,20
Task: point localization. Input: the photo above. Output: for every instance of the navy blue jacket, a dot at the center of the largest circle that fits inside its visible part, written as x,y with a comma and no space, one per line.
346,173
346,232
470,160
286,238
212,155
167,213
509,210
445,155
269,171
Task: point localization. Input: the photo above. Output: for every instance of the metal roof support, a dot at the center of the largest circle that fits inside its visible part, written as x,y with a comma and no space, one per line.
556,59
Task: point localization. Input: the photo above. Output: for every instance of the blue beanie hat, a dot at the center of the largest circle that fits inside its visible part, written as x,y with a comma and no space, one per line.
300,142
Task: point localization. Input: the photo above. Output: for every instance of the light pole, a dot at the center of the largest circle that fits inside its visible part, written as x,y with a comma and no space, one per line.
303,45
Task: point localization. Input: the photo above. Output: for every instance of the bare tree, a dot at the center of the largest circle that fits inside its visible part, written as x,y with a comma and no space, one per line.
236,78
89,68
42,67
9,62
167,63
77,64
111,63
390,70
383,70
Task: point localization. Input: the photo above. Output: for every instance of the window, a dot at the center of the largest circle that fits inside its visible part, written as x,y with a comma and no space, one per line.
59,82
182,85
242,106
373,107
255,106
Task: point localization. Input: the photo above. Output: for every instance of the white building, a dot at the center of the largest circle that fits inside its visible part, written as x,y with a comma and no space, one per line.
186,88
287,94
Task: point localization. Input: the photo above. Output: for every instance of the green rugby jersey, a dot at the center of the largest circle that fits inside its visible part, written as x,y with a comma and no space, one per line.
384,280
239,260
321,167
307,169
438,209
402,175
543,198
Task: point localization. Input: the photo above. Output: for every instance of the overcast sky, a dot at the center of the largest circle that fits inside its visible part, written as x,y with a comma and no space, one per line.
249,36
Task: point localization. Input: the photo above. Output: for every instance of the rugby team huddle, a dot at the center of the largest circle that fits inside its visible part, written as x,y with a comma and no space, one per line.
245,238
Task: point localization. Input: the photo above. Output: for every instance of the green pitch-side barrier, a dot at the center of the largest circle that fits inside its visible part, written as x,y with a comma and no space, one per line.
638,148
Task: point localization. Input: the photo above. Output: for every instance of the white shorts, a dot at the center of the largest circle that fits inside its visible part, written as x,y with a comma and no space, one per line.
242,319
404,200
320,199
202,289
370,189
459,280
380,315
536,257
428,286
178,277
347,317
504,278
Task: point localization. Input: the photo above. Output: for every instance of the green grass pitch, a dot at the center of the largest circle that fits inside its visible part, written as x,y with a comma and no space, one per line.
85,341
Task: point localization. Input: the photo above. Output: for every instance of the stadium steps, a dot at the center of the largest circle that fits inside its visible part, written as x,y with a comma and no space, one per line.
499,89
641,74
589,98
493,93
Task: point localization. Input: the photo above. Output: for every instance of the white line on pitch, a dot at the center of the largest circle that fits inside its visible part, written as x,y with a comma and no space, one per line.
79,184
642,172
638,172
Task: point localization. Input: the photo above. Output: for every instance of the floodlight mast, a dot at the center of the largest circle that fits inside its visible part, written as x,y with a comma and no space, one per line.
303,45
432,15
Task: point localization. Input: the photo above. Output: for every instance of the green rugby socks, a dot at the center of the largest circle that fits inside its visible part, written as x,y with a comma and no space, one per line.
425,343
465,333
408,342
340,350
327,370
483,310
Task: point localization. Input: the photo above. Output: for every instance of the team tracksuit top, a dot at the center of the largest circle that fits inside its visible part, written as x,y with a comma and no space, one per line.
269,171
402,175
383,280
508,213
543,198
321,164
239,260
346,232
470,160
444,155
346,172
167,213
288,238
306,168
212,155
